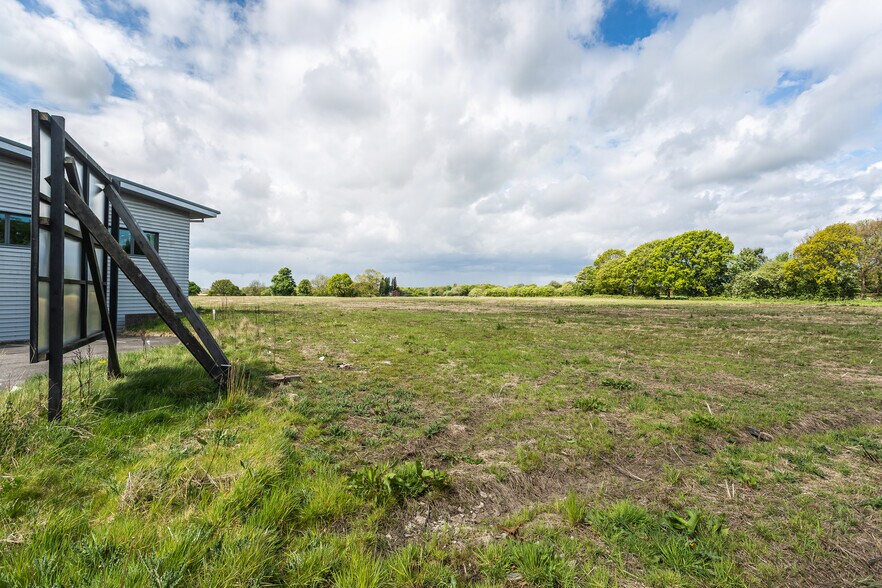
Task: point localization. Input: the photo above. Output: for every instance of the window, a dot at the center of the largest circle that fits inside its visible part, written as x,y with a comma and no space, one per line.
129,245
19,229
152,238
15,229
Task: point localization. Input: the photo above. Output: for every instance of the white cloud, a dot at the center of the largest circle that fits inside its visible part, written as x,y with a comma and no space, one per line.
455,141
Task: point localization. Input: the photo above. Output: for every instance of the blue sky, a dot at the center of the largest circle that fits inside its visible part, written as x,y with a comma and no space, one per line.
464,141
624,22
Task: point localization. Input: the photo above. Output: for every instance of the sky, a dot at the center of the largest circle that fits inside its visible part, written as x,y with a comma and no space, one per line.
463,141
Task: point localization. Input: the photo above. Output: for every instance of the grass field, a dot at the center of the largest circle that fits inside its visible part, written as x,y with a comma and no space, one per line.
453,442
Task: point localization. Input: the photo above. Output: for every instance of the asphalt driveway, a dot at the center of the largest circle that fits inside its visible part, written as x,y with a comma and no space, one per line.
15,367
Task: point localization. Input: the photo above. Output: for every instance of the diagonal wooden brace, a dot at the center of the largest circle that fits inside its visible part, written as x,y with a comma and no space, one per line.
91,223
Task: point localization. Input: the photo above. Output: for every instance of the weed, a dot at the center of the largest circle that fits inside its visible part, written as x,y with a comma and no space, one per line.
573,508
590,404
618,383
406,480
528,459
802,462
704,421
875,503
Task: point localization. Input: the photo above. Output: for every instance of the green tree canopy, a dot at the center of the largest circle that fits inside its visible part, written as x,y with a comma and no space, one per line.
340,285
694,263
255,288
283,283
869,256
585,281
748,260
193,289
608,255
319,285
643,269
304,288
368,283
826,263
609,278
224,288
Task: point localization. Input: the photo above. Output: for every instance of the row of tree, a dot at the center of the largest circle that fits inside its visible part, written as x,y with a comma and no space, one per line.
369,283
839,261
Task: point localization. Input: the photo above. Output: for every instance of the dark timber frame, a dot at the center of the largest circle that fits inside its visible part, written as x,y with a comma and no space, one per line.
74,178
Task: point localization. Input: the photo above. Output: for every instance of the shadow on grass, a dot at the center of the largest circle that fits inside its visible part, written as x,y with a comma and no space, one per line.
151,387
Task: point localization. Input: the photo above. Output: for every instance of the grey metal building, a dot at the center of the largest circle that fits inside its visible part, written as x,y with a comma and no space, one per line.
164,218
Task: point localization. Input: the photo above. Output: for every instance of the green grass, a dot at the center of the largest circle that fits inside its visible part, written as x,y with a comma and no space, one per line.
440,442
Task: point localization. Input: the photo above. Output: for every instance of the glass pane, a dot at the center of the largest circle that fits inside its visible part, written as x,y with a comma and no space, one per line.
79,166
96,200
45,162
19,229
73,262
71,221
42,316
125,240
99,257
72,294
44,210
2,229
93,317
43,265
152,238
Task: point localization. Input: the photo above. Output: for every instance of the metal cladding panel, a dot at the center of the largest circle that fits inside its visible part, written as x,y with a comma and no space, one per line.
15,186
174,249
15,287
15,268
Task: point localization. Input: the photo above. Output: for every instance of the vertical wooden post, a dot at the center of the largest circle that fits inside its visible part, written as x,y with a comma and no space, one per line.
56,267
114,268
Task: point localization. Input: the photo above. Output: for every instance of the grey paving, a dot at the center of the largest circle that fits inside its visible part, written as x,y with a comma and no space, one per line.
15,367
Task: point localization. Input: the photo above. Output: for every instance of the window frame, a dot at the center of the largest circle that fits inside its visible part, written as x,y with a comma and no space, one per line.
131,248
6,220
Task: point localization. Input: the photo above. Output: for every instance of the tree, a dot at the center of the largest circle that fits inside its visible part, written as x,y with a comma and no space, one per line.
869,270
694,263
224,288
368,283
609,278
826,263
585,281
255,288
193,289
320,285
644,269
340,285
746,262
304,288
608,255
767,281
283,284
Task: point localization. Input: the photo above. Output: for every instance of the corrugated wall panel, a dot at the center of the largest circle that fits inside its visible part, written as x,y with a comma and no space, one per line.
15,186
174,248
15,260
